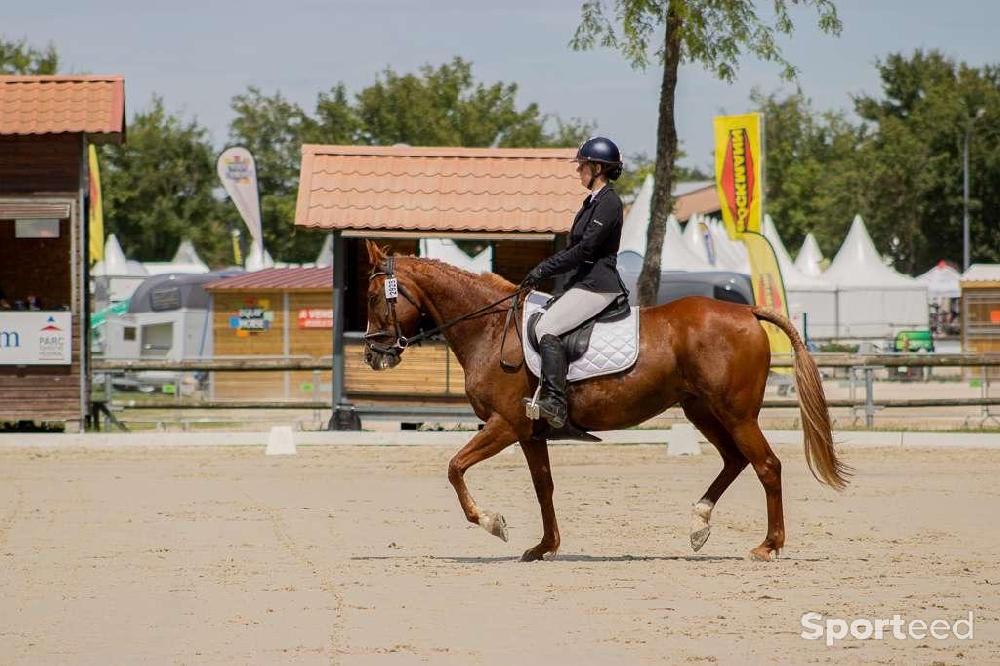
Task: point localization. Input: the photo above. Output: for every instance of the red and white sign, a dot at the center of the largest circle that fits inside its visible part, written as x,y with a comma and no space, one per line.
315,318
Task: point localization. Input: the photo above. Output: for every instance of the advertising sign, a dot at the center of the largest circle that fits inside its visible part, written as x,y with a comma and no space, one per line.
739,161
315,318
36,338
238,173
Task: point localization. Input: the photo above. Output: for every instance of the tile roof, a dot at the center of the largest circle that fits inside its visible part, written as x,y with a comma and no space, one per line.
702,201
473,190
294,279
63,104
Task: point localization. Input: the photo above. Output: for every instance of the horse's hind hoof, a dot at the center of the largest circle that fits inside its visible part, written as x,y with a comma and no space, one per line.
494,523
764,554
699,537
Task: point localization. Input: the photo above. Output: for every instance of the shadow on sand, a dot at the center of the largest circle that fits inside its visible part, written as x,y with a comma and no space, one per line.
573,557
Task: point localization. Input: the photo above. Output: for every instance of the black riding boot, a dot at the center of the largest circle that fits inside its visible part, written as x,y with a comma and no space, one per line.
552,401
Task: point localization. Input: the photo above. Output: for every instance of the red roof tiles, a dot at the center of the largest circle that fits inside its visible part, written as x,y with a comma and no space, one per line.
702,201
61,104
292,279
471,190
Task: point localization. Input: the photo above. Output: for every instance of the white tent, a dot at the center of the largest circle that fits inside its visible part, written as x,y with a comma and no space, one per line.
446,250
873,300
698,238
325,256
730,255
255,261
810,257
942,281
115,277
185,262
186,254
637,221
807,295
676,256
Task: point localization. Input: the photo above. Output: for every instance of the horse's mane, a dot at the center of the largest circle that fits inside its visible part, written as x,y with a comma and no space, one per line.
486,279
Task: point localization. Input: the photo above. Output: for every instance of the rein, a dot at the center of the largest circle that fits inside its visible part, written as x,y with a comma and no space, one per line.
392,288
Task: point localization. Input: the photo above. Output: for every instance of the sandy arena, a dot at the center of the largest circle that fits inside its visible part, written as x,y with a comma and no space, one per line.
361,555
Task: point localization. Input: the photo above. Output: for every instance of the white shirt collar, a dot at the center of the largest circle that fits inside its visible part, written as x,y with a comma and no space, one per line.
593,195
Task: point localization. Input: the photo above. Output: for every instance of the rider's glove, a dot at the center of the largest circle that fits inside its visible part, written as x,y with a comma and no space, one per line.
532,279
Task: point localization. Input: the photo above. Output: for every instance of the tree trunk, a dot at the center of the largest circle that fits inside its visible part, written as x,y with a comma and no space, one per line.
666,153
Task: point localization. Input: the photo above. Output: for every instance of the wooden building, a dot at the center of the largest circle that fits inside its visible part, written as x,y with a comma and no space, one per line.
46,124
981,311
286,313
520,200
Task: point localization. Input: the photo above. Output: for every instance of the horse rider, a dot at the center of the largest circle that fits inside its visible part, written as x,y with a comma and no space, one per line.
592,252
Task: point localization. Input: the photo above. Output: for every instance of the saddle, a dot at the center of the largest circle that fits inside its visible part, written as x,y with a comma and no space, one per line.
577,341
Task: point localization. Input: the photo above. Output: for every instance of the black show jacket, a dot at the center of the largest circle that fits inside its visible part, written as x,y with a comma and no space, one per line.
592,249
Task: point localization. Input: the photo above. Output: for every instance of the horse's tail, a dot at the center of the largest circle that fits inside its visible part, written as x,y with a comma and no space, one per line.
820,454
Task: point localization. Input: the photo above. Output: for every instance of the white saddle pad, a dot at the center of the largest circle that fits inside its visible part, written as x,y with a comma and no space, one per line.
614,346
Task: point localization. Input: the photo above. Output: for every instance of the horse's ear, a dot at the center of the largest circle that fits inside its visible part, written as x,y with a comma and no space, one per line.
375,253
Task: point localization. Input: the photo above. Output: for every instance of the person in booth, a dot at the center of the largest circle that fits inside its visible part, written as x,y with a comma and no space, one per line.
592,253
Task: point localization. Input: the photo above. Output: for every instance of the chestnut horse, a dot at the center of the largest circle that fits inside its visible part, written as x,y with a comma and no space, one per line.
710,356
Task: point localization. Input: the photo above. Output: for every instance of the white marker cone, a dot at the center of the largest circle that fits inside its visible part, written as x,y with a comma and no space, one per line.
683,440
281,441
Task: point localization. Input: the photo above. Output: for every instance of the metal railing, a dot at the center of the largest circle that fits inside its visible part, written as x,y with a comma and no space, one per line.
861,367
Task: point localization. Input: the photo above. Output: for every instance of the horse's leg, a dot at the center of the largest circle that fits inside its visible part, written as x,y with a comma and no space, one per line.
495,436
537,453
754,446
733,462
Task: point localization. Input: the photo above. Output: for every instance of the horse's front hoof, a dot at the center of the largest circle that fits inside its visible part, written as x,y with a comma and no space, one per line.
699,537
494,523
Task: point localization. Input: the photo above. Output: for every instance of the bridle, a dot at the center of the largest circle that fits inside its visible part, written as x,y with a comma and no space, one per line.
399,342
392,289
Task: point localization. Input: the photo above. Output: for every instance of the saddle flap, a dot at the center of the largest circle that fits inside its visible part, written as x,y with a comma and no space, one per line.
575,342
604,345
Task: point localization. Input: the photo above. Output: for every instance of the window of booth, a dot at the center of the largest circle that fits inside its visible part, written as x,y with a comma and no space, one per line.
35,266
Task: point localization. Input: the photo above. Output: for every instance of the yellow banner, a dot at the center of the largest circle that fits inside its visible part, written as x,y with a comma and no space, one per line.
739,162
96,222
768,288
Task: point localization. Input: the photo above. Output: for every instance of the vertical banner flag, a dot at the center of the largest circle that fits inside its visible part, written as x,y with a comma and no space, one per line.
768,289
739,162
739,178
96,211
238,174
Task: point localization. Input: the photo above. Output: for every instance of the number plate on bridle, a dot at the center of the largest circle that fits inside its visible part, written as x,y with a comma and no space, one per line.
391,288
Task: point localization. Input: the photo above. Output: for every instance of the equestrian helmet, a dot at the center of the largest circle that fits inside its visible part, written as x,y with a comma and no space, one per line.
603,151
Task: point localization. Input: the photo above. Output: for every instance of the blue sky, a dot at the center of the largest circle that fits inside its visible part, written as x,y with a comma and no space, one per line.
197,55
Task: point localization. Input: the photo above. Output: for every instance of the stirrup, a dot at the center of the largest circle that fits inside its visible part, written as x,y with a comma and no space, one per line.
531,408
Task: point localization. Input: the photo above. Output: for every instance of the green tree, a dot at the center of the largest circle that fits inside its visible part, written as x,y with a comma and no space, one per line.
19,57
815,172
437,106
708,32
158,188
446,106
274,129
913,159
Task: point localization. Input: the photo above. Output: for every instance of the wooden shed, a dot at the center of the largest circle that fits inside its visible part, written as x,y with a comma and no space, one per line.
46,124
981,311
286,313
520,200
